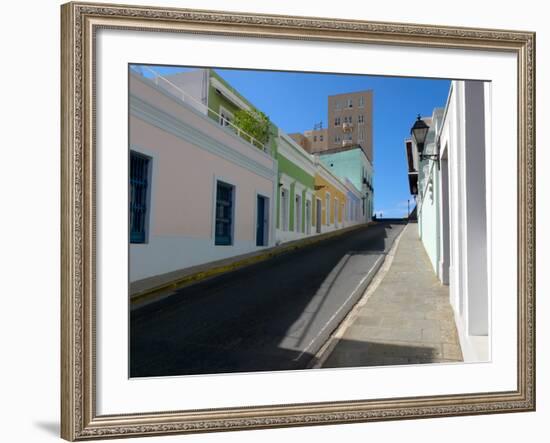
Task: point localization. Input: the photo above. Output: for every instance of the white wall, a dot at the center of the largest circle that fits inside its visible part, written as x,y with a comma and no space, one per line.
463,138
30,255
194,84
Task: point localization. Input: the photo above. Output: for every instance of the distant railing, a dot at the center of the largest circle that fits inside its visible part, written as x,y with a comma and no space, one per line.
186,97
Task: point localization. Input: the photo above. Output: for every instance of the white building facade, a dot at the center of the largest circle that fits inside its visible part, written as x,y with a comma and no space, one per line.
453,209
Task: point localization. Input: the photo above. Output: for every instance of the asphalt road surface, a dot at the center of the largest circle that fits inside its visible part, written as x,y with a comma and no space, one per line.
274,315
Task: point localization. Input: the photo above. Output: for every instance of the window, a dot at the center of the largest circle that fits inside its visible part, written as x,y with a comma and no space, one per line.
337,139
327,209
361,119
284,209
308,217
350,103
140,166
298,213
360,137
314,138
337,121
320,138
338,106
225,116
224,214
346,211
361,102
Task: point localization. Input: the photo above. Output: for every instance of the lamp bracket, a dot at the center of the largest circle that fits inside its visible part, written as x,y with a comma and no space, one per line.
432,157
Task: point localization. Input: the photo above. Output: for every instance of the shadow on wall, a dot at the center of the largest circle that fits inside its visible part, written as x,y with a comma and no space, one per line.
49,427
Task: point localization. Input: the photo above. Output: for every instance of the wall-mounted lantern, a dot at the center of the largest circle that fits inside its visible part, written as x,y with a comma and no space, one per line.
419,131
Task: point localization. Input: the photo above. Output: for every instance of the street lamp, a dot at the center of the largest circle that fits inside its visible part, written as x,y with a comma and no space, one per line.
419,131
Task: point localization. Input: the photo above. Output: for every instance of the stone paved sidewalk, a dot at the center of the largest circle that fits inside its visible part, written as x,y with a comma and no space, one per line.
406,320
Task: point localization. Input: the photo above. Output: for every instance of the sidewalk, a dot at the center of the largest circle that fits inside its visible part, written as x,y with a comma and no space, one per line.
407,319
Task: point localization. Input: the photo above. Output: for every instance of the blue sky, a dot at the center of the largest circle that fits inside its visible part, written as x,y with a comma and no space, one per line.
296,101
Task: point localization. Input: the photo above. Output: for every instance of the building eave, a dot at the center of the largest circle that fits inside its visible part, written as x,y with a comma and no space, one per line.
228,94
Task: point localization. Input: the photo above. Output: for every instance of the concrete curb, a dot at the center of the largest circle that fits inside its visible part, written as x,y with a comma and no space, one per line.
370,286
350,303
160,291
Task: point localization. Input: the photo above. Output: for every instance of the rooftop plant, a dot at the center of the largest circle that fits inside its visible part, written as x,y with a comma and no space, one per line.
255,123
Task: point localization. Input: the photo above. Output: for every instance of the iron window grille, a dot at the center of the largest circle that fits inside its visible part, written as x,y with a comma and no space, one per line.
139,189
224,214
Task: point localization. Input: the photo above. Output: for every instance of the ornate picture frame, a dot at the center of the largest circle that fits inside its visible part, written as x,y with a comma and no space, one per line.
80,22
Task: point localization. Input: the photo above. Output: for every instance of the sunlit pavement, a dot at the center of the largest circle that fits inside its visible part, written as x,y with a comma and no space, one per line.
408,318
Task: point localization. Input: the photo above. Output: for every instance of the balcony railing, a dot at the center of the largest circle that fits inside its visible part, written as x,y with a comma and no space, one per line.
159,80
347,142
347,127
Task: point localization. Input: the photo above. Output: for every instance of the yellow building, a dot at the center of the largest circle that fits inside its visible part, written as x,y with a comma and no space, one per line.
330,201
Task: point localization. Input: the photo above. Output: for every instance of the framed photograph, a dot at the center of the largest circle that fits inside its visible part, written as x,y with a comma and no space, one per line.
277,221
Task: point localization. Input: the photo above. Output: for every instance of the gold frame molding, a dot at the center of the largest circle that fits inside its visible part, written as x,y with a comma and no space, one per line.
79,22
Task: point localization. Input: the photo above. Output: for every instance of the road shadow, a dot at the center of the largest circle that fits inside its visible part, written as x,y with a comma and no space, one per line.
355,353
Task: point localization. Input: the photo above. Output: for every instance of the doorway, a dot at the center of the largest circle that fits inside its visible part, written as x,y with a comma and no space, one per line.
298,214
308,217
336,213
318,215
262,220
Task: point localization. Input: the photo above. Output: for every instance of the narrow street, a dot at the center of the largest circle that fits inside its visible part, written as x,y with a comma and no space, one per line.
274,315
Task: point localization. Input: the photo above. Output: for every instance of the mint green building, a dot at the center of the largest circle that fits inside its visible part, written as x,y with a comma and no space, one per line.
429,198
353,164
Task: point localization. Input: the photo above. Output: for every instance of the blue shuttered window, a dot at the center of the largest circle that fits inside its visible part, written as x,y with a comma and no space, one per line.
139,188
224,214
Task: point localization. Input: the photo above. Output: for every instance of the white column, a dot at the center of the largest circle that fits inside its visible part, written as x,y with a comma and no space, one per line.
444,241
476,210
454,147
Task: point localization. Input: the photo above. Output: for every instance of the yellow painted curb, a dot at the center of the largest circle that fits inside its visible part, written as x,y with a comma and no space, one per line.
149,294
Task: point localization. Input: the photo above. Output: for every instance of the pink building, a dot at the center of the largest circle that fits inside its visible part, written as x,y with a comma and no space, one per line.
198,192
